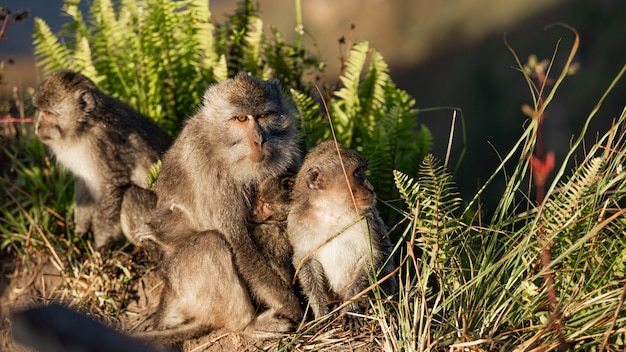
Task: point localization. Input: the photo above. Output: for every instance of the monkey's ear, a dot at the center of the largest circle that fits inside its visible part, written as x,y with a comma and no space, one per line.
313,178
87,101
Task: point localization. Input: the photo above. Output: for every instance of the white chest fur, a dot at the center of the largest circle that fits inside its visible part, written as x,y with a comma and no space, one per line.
339,240
78,160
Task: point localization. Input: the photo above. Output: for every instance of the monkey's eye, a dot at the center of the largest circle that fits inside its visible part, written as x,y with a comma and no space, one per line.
263,116
241,118
268,205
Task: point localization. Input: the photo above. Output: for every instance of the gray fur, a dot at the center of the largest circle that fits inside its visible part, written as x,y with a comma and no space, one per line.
107,146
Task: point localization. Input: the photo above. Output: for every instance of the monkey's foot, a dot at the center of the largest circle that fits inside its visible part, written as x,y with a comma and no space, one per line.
268,324
352,323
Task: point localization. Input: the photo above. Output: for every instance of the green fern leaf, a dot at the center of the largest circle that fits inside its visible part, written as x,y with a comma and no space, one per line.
50,53
344,107
252,44
203,33
437,187
314,125
564,208
408,187
220,71
372,95
82,61
154,173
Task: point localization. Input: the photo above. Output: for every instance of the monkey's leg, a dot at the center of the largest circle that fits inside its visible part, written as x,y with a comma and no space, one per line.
268,324
106,219
202,291
84,204
265,284
359,282
315,286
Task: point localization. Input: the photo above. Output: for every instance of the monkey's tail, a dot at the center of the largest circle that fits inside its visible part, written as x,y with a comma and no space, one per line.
168,337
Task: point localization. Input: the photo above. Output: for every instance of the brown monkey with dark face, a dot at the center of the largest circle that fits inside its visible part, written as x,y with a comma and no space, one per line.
244,132
338,237
269,224
107,146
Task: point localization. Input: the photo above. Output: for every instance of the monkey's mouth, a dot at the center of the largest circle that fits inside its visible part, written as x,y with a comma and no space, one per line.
256,157
363,201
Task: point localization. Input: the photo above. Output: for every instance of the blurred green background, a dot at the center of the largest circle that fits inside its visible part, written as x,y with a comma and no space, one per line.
444,53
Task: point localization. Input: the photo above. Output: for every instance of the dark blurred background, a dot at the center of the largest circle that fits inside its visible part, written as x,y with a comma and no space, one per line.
444,53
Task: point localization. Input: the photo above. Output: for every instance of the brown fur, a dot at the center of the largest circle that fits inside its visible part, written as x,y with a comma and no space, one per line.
244,132
269,230
336,251
108,147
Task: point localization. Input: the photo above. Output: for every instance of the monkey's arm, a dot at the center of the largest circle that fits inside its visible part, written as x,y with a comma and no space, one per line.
84,205
106,220
315,286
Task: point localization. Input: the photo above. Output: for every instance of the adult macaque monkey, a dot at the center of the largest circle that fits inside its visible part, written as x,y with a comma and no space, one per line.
108,147
244,131
338,237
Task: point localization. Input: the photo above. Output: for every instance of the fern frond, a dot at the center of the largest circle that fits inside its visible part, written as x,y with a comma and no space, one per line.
252,44
82,61
51,54
408,187
154,173
437,187
220,70
203,33
312,122
563,208
372,90
344,108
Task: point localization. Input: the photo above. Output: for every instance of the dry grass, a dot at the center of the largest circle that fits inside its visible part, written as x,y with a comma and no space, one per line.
121,287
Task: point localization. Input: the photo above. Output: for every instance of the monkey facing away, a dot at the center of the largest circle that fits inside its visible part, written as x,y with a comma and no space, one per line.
107,146
269,224
244,131
338,237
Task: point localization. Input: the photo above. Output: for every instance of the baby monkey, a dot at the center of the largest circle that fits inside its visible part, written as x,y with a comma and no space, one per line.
339,240
269,224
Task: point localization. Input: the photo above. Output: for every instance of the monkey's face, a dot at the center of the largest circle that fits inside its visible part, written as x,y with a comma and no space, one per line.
251,117
64,102
362,189
349,189
59,122
273,200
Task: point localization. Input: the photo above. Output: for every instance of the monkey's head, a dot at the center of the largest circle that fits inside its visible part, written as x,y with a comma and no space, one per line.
257,123
273,200
323,176
66,101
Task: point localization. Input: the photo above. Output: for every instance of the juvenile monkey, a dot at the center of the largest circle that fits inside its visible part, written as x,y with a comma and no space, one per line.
338,237
107,146
204,291
244,131
191,255
269,224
